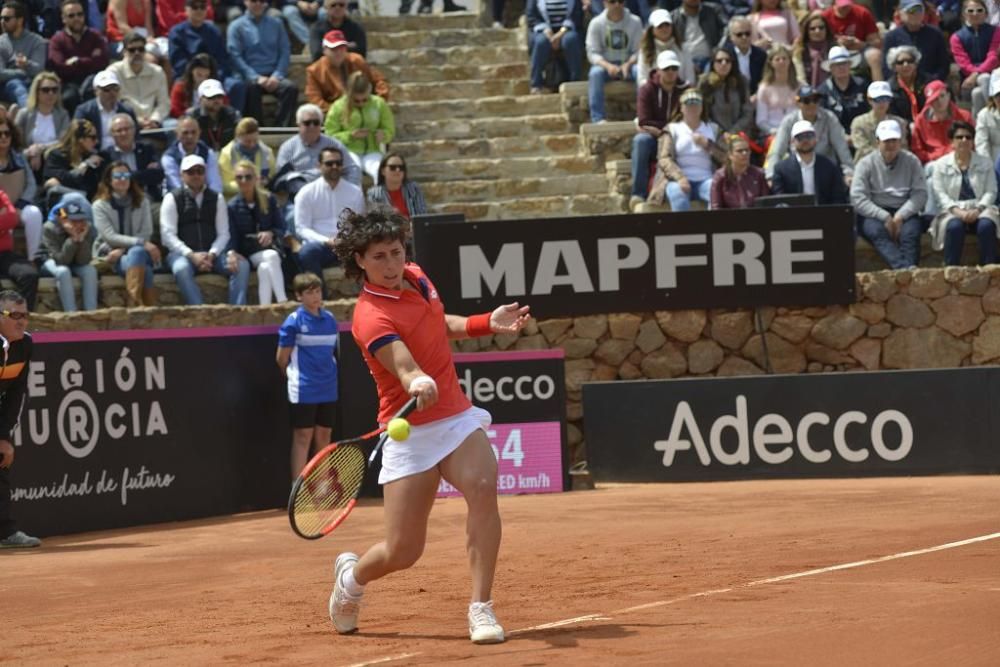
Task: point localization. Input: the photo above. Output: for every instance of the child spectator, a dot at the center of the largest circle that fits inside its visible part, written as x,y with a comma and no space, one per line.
68,237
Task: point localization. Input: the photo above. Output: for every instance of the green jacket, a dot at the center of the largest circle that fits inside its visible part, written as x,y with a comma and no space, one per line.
375,115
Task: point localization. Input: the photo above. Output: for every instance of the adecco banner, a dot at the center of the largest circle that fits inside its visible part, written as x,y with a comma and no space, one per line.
829,425
703,259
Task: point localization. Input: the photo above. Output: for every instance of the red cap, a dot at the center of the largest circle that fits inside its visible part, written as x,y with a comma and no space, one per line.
933,90
333,39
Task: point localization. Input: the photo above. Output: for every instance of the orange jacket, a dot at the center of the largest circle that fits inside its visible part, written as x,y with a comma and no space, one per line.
325,83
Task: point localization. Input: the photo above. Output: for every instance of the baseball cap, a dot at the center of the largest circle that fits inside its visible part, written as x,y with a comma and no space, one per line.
192,160
934,90
843,3
691,95
801,127
106,78
888,129
908,5
658,17
210,88
878,90
333,39
806,91
667,59
73,211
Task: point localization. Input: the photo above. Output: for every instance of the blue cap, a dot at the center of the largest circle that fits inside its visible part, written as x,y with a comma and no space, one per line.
73,210
907,5
806,91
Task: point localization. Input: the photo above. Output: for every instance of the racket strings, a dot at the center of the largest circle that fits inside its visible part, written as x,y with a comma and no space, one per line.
329,488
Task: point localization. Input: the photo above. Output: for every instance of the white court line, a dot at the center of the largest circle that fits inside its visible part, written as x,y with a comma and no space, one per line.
717,591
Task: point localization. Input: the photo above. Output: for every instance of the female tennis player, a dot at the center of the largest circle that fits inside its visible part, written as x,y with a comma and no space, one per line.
402,330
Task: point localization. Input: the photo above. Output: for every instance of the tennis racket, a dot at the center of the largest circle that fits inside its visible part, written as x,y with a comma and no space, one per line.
327,489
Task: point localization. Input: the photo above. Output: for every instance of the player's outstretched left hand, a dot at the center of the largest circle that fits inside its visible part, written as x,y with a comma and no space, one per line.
509,318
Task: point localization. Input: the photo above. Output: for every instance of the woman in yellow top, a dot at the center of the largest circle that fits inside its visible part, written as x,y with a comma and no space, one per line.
362,122
246,146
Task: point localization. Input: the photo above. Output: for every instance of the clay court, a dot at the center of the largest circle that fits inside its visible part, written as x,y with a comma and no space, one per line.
725,573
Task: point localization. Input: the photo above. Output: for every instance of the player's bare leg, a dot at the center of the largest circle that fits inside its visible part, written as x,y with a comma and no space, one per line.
301,439
321,438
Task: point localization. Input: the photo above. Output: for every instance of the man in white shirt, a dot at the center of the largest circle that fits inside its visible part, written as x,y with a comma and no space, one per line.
318,206
194,225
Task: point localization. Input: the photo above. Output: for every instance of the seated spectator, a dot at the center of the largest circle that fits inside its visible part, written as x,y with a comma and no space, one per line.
934,59
199,37
733,8
363,122
659,102
43,121
18,181
246,147
260,51
931,138
965,188
427,7
217,119
906,82
612,48
125,16
189,143
256,229
773,23
689,153
143,84
726,96
975,47
988,125
140,157
300,15
738,183
194,224
831,140
326,79
888,193
750,60
170,13
777,92
854,28
950,14
68,236
318,206
103,107
184,94
554,31
74,164
863,127
843,93
807,172
22,54
395,189
77,53
812,49
336,19
124,224
699,26
19,270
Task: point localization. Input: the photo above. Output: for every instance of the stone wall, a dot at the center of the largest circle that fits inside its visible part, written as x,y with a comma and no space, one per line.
925,318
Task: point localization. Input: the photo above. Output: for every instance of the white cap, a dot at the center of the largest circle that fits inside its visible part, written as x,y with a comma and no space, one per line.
667,59
193,160
888,129
994,86
877,89
801,127
210,88
658,17
106,78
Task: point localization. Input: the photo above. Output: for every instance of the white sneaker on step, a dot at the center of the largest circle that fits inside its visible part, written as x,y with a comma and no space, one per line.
483,625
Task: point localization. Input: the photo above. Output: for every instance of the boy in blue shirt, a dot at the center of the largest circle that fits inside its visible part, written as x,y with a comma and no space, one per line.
307,342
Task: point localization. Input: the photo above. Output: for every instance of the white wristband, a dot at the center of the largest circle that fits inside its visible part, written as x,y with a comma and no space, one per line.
422,379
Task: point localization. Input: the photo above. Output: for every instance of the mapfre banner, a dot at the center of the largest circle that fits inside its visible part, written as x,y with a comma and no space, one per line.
703,259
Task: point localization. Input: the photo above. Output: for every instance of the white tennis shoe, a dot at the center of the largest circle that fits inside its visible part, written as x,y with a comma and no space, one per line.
483,625
344,607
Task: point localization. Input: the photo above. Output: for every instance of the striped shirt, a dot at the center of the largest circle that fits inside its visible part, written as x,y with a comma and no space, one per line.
312,368
556,10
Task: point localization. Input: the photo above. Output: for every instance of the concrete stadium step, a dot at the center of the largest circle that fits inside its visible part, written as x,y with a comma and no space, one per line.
535,207
508,167
449,90
423,74
426,22
467,55
445,149
619,100
442,39
507,188
483,128
444,110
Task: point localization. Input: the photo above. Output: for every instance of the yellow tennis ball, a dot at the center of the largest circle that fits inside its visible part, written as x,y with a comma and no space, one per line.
399,429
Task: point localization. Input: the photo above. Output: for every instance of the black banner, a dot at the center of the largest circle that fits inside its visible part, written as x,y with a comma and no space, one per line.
830,425
620,263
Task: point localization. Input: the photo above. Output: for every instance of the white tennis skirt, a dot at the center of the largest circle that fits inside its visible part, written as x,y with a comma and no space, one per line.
429,444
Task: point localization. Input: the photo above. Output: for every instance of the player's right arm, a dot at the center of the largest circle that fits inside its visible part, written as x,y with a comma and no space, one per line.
396,358
283,356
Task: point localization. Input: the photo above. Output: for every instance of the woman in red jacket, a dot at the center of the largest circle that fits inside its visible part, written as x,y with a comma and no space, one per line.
930,127
22,272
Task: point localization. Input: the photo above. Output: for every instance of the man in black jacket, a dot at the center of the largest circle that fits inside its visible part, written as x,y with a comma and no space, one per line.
141,157
15,356
108,90
806,172
748,58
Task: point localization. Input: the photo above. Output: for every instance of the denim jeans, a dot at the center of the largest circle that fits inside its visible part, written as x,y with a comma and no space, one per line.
542,53
298,25
954,241
133,257
680,201
63,274
236,89
898,255
315,256
595,89
184,274
643,154
16,91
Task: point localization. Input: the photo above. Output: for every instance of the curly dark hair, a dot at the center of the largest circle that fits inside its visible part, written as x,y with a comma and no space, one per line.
357,231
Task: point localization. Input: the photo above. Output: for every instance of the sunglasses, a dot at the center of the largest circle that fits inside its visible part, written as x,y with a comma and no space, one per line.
805,136
905,61
963,137
975,10
741,34
395,167
14,315
199,171
121,176
244,177
136,49
810,100
312,122
5,134
7,18
111,89
49,89
333,163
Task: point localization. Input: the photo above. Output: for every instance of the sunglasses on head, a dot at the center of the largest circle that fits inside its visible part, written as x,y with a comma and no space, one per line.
121,176
14,315
333,163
